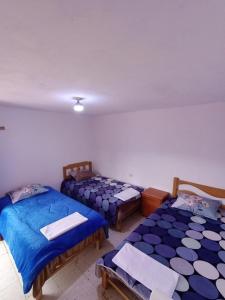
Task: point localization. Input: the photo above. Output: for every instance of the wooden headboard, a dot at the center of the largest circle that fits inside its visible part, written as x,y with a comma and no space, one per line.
79,166
212,191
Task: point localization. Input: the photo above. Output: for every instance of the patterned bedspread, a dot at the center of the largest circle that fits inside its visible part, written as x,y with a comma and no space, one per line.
191,245
98,193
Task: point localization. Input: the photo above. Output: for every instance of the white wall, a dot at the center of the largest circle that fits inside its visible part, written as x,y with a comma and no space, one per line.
150,147
36,144
146,148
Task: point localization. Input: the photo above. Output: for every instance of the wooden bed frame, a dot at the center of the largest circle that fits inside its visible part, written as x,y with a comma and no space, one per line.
79,166
124,211
60,261
112,280
212,191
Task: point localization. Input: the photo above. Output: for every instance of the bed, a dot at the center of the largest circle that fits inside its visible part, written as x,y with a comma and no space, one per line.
98,192
177,239
37,258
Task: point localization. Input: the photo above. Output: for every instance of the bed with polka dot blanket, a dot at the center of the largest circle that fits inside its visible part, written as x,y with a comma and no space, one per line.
98,193
191,245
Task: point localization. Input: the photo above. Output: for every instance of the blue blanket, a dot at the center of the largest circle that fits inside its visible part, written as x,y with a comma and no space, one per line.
20,225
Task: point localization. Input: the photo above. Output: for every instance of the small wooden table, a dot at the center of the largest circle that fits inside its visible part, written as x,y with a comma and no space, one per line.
151,200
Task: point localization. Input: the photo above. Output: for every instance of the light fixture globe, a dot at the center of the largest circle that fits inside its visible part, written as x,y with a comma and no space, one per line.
78,107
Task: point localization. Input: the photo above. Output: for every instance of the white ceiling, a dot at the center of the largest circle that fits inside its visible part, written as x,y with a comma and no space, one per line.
122,55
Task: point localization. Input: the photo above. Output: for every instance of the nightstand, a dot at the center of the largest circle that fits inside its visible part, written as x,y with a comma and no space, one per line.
151,200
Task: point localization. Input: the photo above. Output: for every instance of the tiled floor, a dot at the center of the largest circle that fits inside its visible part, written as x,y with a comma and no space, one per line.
76,281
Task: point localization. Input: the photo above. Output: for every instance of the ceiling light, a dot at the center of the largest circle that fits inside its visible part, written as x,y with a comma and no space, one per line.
78,106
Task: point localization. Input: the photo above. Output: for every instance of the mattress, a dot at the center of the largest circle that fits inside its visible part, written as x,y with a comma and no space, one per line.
98,193
20,225
191,245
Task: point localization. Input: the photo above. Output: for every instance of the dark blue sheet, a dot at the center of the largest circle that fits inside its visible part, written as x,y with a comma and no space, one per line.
98,193
193,246
20,225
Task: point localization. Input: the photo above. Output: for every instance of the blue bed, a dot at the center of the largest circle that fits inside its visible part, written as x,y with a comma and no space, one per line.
20,225
191,245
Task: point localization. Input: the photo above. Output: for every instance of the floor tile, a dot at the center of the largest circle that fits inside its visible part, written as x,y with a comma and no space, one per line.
12,292
8,275
2,248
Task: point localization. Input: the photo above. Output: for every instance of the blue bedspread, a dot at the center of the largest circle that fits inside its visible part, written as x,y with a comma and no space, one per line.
193,246
20,225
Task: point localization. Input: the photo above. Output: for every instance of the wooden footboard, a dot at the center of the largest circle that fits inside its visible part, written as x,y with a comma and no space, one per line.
125,292
60,261
125,210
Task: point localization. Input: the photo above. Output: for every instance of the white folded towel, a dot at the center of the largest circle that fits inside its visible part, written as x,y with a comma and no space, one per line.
159,295
128,194
63,225
146,270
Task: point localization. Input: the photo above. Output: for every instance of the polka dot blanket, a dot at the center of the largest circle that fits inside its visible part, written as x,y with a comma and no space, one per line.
191,245
98,193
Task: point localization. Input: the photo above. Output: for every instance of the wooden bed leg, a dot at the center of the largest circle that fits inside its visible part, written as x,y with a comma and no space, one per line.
175,186
118,225
1,238
105,283
39,295
98,244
